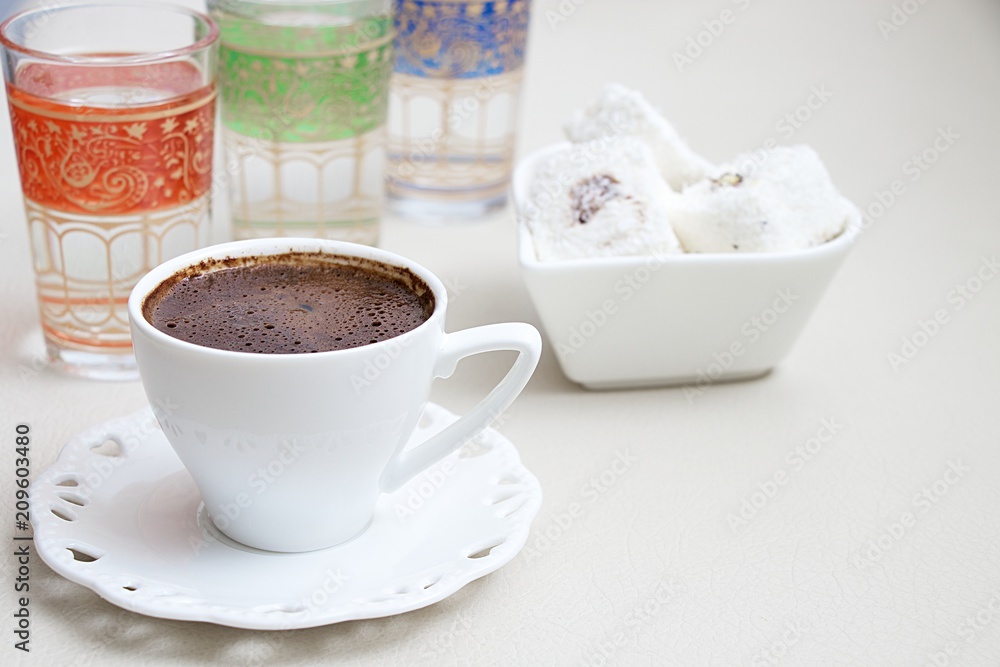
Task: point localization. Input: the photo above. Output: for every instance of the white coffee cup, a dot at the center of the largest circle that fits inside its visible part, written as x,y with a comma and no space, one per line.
291,451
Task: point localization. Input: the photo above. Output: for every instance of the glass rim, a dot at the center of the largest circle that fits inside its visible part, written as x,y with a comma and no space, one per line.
137,58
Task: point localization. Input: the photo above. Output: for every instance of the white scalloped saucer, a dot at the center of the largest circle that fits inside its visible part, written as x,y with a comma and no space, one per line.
129,524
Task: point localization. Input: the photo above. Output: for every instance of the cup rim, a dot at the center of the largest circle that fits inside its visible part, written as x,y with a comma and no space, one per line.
275,246
205,42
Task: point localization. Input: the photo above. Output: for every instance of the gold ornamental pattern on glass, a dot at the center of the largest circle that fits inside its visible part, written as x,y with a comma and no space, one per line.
86,265
330,189
469,154
114,167
113,161
277,91
460,38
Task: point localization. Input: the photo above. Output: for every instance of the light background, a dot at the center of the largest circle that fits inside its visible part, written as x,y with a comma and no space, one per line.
732,593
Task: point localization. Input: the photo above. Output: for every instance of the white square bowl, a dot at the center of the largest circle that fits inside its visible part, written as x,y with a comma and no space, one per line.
694,319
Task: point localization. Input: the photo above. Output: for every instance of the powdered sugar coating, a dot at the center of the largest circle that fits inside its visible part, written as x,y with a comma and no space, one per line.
786,203
602,198
620,111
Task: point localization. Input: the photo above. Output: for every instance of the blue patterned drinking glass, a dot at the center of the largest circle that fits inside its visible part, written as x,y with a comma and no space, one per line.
453,105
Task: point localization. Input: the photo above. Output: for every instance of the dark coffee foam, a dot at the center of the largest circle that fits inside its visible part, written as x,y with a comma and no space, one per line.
288,304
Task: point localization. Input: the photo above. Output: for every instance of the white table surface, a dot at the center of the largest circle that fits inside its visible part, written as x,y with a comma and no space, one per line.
651,569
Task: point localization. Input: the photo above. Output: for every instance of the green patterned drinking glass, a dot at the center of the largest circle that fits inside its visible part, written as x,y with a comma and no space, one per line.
304,92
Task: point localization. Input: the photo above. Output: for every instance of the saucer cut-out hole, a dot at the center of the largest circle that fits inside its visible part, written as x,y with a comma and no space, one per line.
429,584
130,589
73,498
109,447
289,608
500,497
507,481
68,481
63,514
82,556
483,553
379,600
507,511
474,449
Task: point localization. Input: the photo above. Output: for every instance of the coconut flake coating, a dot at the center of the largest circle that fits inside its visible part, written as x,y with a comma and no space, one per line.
603,198
786,203
620,111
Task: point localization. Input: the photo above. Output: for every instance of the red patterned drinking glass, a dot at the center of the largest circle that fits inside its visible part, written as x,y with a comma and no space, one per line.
113,115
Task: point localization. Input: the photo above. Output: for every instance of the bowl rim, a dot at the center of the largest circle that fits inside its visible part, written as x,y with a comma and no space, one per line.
527,257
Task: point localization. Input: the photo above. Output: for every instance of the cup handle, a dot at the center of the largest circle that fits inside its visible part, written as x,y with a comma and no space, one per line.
516,336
